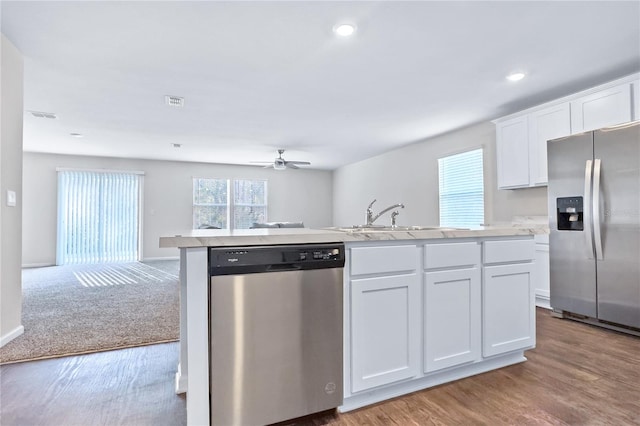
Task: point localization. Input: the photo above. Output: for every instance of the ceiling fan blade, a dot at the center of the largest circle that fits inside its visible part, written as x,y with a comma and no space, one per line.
291,166
261,162
299,163
268,166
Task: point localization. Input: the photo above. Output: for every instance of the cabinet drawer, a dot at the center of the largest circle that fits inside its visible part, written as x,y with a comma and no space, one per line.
509,251
376,260
451,255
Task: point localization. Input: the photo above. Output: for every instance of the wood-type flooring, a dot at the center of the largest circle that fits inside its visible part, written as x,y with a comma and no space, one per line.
577,375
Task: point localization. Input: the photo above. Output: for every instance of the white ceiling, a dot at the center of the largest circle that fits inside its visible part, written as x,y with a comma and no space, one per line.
257,76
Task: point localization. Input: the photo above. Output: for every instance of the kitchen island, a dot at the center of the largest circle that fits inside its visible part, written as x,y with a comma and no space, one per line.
421,306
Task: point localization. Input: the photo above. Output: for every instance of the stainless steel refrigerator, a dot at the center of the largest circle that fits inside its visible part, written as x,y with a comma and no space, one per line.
594,221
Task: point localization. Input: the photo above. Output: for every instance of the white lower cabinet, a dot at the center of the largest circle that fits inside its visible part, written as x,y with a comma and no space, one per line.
508,309
451,318
419,315
452,313
385,330
542,272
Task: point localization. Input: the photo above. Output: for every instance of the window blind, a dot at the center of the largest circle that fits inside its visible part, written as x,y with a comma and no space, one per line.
461,185
98,217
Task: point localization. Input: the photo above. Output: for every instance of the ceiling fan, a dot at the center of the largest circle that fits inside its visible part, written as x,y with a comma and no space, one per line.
282,164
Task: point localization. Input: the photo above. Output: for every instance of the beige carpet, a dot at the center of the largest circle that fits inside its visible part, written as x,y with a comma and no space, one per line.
89,308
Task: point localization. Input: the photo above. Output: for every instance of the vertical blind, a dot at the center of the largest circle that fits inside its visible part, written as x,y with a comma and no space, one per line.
98,217
461,185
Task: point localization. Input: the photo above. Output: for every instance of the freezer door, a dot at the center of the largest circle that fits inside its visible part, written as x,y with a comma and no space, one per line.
618,219
572,267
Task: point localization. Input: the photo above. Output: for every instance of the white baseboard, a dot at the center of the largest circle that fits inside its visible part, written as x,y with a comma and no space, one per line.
161,258
18,331
543,302
37,265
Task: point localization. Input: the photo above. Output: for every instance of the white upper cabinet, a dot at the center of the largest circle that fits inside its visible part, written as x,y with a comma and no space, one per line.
521,138
512,148
546,124
601,109
521,145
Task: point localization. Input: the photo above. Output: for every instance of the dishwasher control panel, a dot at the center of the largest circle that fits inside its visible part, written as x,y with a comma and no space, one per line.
255,259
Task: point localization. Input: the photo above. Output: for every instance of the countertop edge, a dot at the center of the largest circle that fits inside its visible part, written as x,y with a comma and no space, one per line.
215,238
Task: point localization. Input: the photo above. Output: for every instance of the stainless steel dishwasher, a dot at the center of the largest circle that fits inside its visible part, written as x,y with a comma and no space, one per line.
275,332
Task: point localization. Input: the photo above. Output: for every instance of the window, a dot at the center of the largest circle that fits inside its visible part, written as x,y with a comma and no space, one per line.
250,203
229,204
98,216
461,189
210,203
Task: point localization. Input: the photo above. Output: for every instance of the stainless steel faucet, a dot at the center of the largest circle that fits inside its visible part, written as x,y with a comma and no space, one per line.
372,218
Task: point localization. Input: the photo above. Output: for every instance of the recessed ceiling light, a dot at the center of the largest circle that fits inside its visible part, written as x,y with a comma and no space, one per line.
76,135
344,30
516,76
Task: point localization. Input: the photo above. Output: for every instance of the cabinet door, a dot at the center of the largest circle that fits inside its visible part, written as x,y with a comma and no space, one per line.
549,123
452,318
542,275
601,109
508,309
512,150
385,330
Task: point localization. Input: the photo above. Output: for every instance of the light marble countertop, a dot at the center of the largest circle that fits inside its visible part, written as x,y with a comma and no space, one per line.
270,236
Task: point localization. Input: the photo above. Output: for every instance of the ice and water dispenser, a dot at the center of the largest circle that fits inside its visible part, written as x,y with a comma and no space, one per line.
569,210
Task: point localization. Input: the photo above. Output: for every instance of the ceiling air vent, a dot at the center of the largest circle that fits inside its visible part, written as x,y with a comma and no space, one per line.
175,101
39,114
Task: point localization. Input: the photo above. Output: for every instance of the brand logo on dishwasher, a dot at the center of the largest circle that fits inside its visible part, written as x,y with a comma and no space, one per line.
233,259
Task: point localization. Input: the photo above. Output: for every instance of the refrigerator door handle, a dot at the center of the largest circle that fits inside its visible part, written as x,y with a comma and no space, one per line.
597,236
587,208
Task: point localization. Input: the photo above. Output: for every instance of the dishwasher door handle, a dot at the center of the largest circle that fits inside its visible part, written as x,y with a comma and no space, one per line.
284,267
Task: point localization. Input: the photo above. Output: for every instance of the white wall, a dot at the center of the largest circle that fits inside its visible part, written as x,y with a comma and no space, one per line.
11,111
294,195
409,175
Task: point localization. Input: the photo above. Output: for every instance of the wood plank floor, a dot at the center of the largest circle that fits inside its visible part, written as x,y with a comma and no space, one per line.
577,375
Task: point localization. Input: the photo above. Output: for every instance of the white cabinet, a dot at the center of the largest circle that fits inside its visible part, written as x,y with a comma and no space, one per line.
508,308
385,330
549,123
385,315
636,99
542,271
521,138
452,313
602,108
521,145
512,149
419,315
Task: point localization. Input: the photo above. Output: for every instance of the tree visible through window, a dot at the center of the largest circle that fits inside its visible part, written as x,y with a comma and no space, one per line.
210,203
461,185
250,203
227,204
